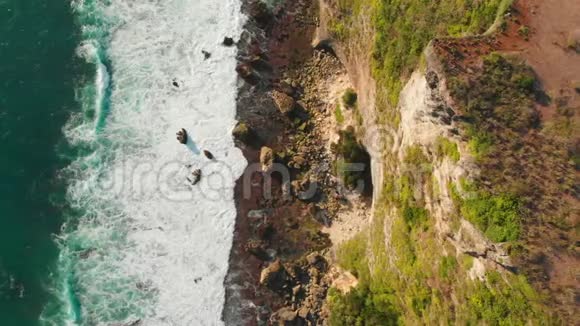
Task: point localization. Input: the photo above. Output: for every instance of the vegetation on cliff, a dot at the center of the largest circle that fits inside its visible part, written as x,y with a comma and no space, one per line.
349,98
415,279
407,273
353,163
423,286
511,146
402,29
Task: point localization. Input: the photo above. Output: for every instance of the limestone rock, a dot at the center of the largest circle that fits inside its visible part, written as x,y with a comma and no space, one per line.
287,317
182,136
284,103
257,248
266,158
274,276
247,73
260,12
313,258
304,312
257,214
296,289
208,154
243,133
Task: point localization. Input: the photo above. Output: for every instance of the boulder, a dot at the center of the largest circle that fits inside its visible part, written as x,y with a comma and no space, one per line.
208,154
274,276
259,63
296,290
284,103
243,133
260,12
304,312
266,158
134,323
182,136
195,177
299,162
317,261
286,317
313,258
247,73
228,41
286,88
257,248
258,214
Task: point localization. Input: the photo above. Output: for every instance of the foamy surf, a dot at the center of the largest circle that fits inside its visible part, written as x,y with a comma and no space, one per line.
141,244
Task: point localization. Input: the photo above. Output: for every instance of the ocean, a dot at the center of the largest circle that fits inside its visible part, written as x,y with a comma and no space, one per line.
100,225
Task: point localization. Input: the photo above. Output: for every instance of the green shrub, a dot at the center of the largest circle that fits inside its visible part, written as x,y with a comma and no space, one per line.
525,81
495,99
362,307
447,266
498,216
414,216
349,151
349,98
414,155
352,255
480,144
445,147
573,43
338,29
404,27
338,115
497,303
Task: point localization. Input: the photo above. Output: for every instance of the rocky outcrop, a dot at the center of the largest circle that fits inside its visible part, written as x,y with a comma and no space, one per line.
243,133
266,158
284,102
228,41
274,276
303,284
182,136
248,74
287,317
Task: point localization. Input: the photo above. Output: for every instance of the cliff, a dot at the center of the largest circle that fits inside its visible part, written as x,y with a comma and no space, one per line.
459,139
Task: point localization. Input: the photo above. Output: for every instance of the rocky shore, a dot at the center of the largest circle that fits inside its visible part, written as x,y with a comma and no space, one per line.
280,264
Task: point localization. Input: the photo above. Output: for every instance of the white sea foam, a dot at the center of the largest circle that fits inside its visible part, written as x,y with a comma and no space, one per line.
155,248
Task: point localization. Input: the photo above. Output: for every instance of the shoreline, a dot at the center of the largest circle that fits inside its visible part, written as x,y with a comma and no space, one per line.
280,265
259,73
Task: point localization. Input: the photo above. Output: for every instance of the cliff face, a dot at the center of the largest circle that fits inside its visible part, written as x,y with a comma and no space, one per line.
427,123
441,242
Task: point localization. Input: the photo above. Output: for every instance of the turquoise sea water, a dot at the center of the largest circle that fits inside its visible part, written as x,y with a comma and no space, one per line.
98,225
38,74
